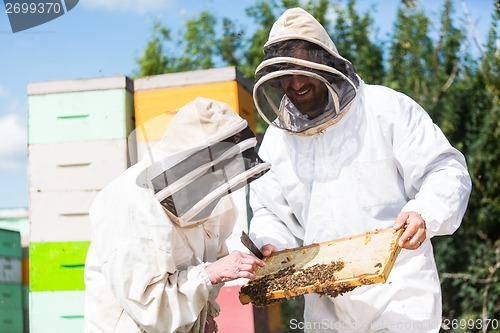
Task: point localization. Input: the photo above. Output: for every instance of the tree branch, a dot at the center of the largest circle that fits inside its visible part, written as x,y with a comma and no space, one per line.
470,277
475,34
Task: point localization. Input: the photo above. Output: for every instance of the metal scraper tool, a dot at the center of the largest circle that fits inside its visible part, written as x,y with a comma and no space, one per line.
250,245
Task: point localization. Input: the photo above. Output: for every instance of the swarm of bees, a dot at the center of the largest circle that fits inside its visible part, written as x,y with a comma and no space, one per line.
330,268
319,278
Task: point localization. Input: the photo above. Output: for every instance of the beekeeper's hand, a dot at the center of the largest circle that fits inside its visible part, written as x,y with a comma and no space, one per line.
267,249
233,266
414,234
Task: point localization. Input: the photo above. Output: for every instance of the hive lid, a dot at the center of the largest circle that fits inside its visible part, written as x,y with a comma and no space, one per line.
330,268
80,85
190,78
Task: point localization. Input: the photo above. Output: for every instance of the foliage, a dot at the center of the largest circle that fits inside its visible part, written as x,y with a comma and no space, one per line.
198,43
199,46
153,60
352,38
411,54
291,312
231,40
468,111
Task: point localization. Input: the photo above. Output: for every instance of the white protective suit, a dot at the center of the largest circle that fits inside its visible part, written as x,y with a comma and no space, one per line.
383,156
145,268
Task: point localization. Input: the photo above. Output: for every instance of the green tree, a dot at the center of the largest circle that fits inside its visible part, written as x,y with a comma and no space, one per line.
447,64
231,43
199,43
410,55
468,110
352,35
153,61
264,15
203,44
483,154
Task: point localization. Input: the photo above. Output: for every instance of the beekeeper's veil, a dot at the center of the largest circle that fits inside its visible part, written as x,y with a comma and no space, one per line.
303,85
206,153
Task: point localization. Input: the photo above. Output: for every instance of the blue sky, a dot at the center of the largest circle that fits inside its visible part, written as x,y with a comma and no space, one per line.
103,38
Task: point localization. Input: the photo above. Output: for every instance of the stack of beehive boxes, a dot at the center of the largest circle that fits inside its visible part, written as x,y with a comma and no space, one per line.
78,143
82,135
11,300
16,219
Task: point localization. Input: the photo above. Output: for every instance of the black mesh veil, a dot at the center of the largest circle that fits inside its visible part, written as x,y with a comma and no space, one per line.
328,84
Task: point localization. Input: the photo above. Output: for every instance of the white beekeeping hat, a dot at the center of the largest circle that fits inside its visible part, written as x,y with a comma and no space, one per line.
303,85
207,152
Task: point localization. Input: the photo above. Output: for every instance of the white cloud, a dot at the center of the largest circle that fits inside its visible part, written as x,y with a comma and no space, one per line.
12,142
142,6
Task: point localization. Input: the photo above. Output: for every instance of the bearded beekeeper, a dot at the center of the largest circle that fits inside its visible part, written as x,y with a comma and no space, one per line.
348,158
158,257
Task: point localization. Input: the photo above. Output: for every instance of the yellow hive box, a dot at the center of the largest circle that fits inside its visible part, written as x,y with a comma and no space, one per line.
157,98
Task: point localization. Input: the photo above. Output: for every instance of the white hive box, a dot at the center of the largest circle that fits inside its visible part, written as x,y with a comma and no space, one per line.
68,220
89,165
56,311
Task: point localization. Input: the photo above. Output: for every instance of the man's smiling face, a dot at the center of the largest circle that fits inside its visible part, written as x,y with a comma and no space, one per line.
308,94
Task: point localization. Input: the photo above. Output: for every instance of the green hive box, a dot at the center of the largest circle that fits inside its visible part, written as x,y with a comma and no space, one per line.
10,244
81,116
57,266
11,320
11,299
80,110
11,296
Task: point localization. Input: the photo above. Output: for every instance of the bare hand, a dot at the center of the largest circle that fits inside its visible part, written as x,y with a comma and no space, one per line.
267,249
233,266
414,235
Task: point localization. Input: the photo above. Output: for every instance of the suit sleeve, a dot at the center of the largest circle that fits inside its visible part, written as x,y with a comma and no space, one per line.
435,173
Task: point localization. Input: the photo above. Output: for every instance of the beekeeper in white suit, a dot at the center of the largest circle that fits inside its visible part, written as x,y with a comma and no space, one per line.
348,158
158,257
